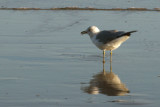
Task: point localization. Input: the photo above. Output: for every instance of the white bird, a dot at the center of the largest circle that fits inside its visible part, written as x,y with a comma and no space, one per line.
107,39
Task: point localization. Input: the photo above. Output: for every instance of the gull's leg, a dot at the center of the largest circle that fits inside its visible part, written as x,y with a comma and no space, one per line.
103,61
103,56
111,53
103,68
111,61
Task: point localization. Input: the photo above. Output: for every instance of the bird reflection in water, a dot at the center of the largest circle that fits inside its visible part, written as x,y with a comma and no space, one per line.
107,83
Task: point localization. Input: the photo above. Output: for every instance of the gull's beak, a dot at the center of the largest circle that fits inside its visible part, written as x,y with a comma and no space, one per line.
83,32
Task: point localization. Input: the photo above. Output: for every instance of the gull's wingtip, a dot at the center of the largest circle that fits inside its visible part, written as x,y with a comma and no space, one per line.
131,32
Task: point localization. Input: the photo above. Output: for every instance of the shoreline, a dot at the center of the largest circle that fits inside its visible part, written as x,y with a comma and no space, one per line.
88,8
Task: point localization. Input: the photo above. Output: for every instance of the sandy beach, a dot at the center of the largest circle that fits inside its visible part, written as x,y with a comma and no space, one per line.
45,61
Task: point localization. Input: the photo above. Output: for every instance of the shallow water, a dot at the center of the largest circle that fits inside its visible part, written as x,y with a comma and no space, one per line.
81,3
46,62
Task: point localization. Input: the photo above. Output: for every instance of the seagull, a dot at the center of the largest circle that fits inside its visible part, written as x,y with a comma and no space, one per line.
107,39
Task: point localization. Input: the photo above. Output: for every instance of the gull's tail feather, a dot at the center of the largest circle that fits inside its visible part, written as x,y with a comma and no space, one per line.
128,33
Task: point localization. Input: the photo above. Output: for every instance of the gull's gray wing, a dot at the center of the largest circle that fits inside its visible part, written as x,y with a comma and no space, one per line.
107,36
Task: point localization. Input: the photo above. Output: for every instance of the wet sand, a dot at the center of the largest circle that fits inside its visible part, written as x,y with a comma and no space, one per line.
46,62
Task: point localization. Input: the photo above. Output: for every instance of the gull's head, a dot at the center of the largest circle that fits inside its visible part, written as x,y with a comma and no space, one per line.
91,31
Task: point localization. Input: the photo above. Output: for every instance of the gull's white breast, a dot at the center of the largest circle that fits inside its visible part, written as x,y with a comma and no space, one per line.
114,44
